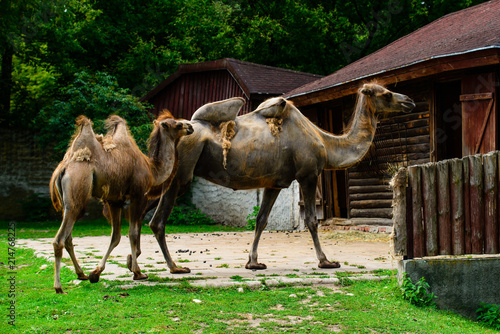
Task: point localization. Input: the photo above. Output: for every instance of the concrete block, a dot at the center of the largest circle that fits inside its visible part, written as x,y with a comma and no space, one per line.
459,283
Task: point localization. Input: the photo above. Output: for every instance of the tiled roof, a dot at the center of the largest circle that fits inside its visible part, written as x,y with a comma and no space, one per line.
252,78
468,30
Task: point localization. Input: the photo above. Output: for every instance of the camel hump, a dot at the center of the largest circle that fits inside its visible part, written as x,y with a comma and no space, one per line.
113,121
220,111
272,108
84,140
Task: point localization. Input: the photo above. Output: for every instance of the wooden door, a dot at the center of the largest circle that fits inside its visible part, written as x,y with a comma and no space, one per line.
479,117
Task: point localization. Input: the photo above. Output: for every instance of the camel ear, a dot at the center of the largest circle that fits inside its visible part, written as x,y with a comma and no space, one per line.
367,91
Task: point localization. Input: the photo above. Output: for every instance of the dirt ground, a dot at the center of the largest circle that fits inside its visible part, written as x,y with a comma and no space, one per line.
218,259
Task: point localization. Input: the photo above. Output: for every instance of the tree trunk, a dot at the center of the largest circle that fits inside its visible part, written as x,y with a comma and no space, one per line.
6,80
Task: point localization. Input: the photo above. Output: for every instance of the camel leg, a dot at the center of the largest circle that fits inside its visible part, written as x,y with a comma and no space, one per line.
268,200
157,225
58,243
136,217
70,249
308,188
115,213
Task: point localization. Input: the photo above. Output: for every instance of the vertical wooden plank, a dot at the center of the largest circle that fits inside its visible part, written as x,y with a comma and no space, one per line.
490,203
415,177
430,208
466,176
443,204
476,204
409,223
399,235
457,207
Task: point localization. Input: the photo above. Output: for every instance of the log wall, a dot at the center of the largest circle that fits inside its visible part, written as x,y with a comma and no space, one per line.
452,207
400,141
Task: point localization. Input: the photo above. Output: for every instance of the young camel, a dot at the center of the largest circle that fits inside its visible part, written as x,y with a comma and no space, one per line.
269,148
114,170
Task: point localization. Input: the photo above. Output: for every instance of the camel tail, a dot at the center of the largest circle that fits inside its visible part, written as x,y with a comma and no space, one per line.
55,188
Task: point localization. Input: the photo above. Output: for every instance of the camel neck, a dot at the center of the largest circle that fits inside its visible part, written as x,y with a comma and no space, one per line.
163,158
348,149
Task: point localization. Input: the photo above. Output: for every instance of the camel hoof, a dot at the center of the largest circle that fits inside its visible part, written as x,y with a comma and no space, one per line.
328,265
257,266
93,277
180,270
60,291
82,277
140,277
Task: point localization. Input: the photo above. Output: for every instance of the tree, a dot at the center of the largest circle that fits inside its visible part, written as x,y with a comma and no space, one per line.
97,96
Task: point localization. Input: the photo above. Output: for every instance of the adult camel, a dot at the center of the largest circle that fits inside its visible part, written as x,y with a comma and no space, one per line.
114,170
269,148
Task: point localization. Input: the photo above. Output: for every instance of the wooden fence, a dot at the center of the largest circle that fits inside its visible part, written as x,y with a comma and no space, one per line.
448,208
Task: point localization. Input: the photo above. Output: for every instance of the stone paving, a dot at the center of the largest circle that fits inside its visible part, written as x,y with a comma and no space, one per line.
218,259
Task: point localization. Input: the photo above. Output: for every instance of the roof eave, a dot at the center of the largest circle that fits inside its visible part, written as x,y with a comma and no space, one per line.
397,74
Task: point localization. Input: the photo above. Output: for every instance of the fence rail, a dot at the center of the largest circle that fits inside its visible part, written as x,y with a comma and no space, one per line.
448,208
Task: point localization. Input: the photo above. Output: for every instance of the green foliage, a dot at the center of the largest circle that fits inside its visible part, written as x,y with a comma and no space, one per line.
417,294
252,218
96,96
188,215
36,207
489,314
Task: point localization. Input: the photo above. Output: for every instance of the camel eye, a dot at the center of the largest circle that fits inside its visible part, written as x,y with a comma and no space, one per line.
387,96
179,126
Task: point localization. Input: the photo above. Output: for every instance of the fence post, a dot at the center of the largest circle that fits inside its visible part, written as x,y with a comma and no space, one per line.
399,232
476,204
467,208
457,207
443,197
414,177
430,208
490,203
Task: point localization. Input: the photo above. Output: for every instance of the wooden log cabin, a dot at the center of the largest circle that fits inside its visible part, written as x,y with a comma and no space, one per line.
451,69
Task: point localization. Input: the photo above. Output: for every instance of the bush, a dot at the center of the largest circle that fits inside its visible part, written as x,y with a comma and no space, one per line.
489,314
96,96
188,215
252,218
417,294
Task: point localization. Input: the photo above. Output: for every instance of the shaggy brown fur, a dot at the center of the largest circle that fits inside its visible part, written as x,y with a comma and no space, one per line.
114,170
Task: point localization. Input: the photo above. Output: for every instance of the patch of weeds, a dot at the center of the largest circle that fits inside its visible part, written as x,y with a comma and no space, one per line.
217,258
156,278
345,281
383,272
224,265
381,258
148,266
296,270
238,278
417,293
184,260
118,264
489,314
292,276
252,218
360,267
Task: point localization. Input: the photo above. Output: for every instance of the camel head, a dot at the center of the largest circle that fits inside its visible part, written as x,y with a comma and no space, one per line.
166,125
380,99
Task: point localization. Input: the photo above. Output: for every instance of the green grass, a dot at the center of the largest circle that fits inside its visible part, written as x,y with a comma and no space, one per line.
86,228
362,307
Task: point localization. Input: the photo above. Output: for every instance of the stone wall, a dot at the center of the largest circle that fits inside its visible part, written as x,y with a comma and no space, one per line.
25,171
230,207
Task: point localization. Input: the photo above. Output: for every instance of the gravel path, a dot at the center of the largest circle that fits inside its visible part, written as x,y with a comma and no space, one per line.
218,259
